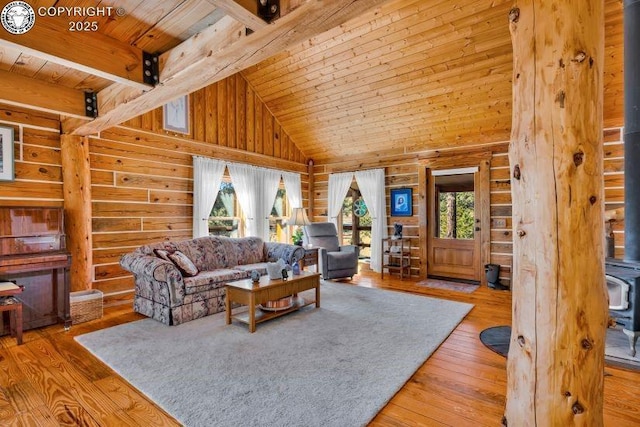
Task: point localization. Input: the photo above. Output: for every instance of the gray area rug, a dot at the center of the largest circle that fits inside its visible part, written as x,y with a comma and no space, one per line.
333,366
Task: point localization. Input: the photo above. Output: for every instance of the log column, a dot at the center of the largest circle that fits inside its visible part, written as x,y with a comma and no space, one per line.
556,358
76,175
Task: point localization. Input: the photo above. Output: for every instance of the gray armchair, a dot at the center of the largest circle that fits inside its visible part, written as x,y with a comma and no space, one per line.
334,260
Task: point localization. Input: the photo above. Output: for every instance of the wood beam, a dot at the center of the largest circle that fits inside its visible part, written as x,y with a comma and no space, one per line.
76,175
89,52
242,13
16,89
555,366
119,103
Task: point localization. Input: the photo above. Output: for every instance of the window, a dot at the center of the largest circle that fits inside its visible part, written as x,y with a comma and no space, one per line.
356,222
278,232
225,218
455,201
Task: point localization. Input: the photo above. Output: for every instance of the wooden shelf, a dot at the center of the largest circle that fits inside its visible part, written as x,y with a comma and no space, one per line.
397,260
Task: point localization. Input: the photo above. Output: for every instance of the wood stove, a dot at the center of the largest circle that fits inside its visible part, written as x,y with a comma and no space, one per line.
623,285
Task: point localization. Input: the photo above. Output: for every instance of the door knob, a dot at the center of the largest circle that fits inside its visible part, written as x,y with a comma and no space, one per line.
477,228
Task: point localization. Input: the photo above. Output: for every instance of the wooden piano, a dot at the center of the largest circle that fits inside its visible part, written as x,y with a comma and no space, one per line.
33,254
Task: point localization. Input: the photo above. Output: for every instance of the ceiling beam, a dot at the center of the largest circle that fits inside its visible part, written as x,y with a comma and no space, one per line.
90,52
240,13
16,89
178,76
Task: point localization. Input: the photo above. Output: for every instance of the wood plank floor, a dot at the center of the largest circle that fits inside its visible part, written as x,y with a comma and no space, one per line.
51,380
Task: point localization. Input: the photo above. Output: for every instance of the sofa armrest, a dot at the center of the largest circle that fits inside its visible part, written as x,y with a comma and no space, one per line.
157,276
289,253
350,248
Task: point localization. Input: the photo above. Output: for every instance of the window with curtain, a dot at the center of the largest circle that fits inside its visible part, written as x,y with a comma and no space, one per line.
225,218
278,231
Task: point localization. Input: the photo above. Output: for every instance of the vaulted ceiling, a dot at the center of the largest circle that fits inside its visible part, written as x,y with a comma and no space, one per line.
345,79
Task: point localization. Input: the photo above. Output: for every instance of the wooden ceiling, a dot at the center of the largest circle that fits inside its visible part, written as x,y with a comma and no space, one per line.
345,79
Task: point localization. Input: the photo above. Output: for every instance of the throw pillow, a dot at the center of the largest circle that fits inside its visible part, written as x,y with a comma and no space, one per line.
163,254
184,264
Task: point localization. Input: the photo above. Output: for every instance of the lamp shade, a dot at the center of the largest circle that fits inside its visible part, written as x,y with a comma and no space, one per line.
298,217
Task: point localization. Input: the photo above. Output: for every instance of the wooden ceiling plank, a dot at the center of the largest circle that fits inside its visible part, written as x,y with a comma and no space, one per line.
240,13
166,33
434,44
422,20
324,41
22,91
307,20
419,80
90,52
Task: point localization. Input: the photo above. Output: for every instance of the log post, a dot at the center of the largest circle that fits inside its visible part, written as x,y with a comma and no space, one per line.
76,176
556,357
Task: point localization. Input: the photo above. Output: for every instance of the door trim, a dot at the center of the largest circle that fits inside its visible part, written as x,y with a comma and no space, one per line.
483,161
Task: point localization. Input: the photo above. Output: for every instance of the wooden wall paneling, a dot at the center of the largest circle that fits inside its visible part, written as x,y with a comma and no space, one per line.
258,125
240,112
199,105
222,119
250,115
211,119
267,132
231,112
277,140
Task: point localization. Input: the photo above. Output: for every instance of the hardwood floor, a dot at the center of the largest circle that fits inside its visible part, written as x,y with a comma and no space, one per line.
51,380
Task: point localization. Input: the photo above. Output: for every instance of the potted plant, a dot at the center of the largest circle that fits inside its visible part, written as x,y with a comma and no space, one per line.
297,237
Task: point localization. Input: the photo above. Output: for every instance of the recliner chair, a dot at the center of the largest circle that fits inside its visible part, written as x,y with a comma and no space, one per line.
335,261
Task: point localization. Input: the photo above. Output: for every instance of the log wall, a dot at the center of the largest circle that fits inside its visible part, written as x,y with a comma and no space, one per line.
141,175
403,171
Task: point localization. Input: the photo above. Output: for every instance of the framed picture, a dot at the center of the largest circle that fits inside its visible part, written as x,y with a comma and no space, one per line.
6,154
176,115
402,202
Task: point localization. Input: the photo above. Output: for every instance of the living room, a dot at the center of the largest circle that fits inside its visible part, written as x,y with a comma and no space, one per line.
341,100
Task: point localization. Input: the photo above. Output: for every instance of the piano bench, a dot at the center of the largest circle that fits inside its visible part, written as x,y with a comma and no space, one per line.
10,303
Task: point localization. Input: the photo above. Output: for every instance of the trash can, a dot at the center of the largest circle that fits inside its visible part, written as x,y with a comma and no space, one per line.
493,273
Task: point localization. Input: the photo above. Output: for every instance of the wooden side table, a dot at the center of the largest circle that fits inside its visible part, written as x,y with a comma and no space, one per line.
310,258
9,302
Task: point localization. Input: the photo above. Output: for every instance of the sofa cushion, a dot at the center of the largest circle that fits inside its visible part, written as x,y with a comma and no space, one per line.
206,280
261,267
184,264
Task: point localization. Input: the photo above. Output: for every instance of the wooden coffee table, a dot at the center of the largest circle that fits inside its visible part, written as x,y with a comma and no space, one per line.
251,294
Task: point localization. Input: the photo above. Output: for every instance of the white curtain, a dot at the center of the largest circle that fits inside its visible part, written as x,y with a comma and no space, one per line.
270,182
339,184
246,182
371,184
207,176
293,185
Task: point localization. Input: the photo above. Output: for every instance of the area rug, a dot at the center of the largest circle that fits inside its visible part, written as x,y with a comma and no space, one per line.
333,366
616,349
448,285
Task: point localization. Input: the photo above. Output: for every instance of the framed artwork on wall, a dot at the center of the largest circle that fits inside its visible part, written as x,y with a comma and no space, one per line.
402,202
176,115
6,154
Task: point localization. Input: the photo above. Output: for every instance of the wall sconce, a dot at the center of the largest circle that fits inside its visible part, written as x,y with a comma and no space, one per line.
268,9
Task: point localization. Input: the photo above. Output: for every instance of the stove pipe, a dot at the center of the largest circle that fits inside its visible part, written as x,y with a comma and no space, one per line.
632,130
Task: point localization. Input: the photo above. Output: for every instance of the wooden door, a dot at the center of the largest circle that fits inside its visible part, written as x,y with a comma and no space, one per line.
454,225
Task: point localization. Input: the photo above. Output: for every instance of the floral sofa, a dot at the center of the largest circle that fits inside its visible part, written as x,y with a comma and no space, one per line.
173,296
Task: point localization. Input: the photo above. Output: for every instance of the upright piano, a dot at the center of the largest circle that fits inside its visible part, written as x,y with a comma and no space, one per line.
33,254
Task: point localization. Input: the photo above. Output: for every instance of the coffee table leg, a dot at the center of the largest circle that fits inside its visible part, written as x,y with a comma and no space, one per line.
252,312
227,305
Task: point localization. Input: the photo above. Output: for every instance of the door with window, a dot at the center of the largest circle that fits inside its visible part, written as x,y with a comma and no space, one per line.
453,225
